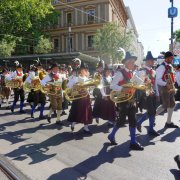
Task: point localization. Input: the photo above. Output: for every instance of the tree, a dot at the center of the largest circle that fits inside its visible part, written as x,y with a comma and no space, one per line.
177,35
110,38
26,19
43,46
7,46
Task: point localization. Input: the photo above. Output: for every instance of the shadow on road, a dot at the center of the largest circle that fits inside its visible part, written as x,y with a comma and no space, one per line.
81,170
41,148
171,137
176,173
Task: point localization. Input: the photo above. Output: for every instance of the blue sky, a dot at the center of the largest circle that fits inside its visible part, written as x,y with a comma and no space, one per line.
152,23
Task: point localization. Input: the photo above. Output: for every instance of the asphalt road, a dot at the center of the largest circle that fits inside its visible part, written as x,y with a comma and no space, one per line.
46,151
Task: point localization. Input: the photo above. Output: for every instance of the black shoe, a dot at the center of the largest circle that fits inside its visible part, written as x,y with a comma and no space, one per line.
22,111
139,128
112,141
176,158
59,123
49,119
32,115
0,105
42,117
63,113
87,132
153,133
12,109
97,120
136,147
171,125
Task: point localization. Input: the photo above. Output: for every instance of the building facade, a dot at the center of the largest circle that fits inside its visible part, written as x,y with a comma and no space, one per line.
79,21
136,46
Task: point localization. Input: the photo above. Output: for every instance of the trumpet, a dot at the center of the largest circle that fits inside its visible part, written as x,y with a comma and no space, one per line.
80,90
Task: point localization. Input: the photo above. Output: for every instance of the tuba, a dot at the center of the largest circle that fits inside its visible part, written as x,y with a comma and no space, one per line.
14,83
80,90
35,84
128,90
53,88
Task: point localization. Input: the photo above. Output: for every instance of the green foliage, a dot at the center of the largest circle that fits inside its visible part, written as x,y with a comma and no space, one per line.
43,46
7,46
26,19
177,35
110,38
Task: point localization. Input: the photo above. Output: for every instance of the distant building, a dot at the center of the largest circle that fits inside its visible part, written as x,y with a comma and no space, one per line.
136,46
79,21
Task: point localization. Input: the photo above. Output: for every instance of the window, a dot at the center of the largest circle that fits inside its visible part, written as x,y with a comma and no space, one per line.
56,44
91,14
90,41
69,18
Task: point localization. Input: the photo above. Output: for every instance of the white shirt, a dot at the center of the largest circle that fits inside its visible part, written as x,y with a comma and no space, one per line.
159,75
48,78
13,75
116,79
178,77
73,80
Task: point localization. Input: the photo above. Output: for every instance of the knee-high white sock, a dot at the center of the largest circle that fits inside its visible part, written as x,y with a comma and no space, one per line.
169,116
50,112
58,115
159,110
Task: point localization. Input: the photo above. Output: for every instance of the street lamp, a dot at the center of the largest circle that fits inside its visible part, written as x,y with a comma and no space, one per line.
69,39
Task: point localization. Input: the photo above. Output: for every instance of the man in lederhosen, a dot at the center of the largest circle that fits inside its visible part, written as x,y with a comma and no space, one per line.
165,81
149,97
18,92
55,100
127,108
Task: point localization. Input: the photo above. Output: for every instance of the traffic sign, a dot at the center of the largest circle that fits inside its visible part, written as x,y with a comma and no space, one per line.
172,12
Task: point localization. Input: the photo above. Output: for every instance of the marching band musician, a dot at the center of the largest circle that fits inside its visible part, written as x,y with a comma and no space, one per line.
148,74
127,108
165,81
18,92
105,107
81,110
97,93
38,96
55,100
4,91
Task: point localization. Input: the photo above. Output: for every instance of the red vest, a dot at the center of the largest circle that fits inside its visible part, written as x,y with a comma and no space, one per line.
168,70
127,77
150,75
